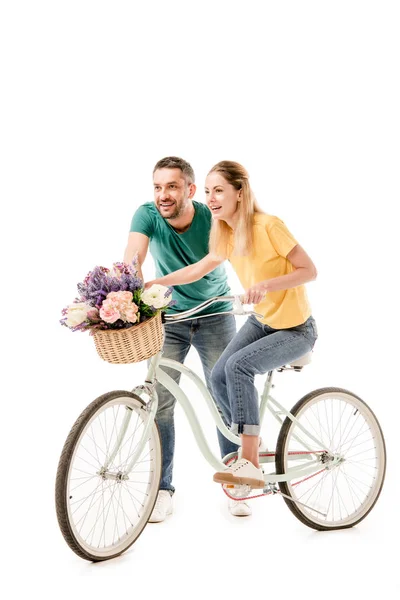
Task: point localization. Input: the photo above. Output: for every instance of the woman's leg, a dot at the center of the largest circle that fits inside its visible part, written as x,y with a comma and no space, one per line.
250,448
276,348
251,331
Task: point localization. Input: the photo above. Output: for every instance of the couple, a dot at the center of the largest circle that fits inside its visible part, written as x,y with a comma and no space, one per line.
189,241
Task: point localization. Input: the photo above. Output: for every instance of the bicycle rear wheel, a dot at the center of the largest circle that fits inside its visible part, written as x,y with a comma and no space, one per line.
350,459
101,508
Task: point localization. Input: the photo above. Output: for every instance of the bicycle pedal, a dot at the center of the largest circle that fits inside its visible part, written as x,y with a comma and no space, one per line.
237,490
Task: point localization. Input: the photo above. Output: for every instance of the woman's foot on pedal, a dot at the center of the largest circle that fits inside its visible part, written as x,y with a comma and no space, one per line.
162,508
243,472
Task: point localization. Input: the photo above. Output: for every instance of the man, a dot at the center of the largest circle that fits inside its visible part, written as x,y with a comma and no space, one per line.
176,228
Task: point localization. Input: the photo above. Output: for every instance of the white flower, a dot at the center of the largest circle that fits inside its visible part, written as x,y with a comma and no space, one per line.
77,313
155,296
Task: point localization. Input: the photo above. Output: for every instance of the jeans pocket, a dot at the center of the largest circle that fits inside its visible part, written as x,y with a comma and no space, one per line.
311,331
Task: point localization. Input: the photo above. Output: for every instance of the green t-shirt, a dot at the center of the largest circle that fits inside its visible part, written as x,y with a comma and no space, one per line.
172,251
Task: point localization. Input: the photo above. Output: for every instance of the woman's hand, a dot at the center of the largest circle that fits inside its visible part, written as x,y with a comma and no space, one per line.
254,294
148,284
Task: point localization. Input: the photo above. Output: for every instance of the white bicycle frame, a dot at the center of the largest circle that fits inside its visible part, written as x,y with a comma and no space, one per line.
311,457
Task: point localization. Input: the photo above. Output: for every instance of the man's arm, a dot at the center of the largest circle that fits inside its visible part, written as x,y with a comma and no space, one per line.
137,242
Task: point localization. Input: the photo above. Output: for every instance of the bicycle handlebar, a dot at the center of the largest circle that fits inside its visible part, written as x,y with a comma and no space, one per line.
237,309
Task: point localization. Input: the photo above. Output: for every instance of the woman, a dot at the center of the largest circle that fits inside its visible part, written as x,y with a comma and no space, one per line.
273,269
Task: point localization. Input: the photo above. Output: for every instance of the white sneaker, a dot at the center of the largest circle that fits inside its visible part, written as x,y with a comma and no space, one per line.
242,472
239,508
162,508
237,504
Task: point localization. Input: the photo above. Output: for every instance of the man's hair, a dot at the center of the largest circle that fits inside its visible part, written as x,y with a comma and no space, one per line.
174,162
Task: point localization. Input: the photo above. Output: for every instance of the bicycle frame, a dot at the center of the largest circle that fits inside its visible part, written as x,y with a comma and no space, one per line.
155,373
103,503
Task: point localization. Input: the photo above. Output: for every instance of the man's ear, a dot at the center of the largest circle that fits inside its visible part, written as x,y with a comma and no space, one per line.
192,190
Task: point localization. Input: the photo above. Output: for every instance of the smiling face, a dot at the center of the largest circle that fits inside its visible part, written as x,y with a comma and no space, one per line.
222,198
172,193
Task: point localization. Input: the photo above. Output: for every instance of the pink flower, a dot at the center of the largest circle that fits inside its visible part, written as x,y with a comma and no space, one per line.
132,306
119,305
131,315
109,313
120,297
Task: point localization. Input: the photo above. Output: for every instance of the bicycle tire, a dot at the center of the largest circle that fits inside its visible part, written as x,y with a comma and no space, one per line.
69,457
371,468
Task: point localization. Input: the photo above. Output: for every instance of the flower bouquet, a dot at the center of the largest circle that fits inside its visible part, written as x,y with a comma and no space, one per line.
124,319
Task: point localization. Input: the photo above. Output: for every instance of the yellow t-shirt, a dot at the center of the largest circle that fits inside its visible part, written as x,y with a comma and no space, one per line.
272,244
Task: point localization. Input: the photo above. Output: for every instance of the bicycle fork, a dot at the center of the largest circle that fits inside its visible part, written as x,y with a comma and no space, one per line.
150,408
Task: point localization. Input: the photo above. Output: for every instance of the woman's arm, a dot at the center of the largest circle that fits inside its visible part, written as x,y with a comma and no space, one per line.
304,271
191,273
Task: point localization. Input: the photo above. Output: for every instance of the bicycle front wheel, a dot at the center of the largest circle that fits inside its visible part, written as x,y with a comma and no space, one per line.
349,459
102,507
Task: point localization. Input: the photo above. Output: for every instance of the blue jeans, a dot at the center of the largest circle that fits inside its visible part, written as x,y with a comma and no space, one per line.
255,349
210,336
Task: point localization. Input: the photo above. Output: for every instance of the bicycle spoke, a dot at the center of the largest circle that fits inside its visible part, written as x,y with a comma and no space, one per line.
88,463
133,498
92,455
87,479
83,518
362,452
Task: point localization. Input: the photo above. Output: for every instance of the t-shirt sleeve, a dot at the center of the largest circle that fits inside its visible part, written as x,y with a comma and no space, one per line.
281,238
143,222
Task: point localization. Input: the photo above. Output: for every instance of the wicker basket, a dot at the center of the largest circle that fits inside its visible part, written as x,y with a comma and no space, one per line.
121,346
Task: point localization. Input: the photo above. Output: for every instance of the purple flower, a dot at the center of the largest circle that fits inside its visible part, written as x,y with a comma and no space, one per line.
100,282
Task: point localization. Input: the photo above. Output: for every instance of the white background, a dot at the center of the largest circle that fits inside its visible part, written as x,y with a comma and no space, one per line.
306,96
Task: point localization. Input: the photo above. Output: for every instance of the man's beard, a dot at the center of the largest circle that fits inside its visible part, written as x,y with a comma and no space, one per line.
177,212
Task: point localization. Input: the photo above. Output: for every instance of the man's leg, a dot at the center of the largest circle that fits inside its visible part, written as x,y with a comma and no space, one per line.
211,336
176,347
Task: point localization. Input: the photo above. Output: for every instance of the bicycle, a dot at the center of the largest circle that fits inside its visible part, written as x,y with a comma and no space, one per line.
330,458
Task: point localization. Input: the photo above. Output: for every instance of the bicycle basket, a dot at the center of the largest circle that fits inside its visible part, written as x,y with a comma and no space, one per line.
137,343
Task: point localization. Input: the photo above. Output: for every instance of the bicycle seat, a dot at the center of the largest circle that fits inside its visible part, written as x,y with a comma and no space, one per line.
298,364
302,361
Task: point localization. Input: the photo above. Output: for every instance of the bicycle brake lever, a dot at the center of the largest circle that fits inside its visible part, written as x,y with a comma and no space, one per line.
238,308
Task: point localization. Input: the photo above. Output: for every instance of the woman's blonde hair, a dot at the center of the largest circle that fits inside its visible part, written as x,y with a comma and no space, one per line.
220,235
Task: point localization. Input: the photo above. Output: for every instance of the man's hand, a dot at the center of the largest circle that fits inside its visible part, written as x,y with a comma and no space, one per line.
255,294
